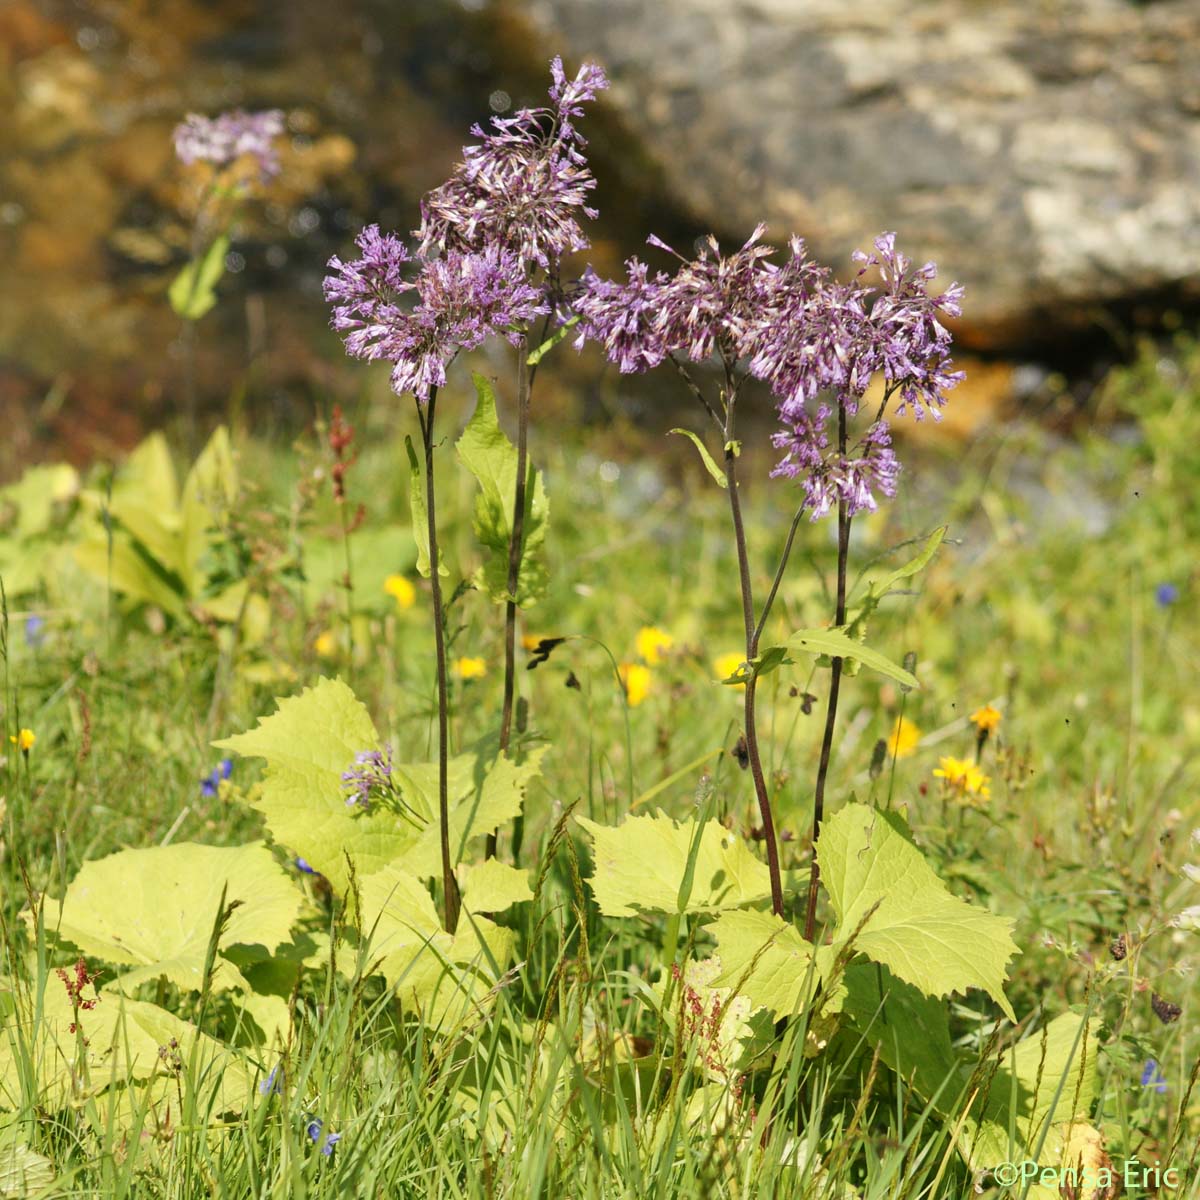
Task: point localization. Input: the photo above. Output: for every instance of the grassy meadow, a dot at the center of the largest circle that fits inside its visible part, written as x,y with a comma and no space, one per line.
199,1057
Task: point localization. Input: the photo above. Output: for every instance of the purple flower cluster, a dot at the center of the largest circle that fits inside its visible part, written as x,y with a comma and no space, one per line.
509,208
370,778
223,139
523,185
806,335
458,301
314,1128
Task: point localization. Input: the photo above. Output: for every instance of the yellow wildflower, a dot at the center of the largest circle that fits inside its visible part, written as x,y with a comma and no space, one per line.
470,668
401,590
727,664
904,738
326,644
24,740
964,777
531,641
651,643
635,679
986,719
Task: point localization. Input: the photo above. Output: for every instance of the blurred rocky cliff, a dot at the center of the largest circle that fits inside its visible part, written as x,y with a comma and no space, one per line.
1044,152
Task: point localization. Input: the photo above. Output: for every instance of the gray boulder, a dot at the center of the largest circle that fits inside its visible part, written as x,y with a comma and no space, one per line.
1044,152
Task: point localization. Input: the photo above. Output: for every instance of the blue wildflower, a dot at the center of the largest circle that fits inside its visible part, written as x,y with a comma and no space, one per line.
35,630
314,1128
210,785
272,1083
1152,1077
1165,595
303,866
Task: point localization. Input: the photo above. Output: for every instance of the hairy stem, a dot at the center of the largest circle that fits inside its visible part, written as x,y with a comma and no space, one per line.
449,884
752,752
835,682
515,551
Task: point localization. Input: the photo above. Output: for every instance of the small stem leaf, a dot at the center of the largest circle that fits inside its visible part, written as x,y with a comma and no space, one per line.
488,454
193,291
836,644
879,586
536,356
709,464
419,513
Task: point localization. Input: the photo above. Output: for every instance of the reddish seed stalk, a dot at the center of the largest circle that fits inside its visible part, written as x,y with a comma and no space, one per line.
752,751
516,546
814,875
449,883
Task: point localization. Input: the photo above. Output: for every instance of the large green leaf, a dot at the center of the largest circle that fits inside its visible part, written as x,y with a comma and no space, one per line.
766,960
878,879
641,866
28,506
153,909
836,644
313,738
1046,1080
485,451
442,977
209,494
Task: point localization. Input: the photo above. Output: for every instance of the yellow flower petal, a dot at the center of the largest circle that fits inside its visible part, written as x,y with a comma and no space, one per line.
400,588
986,719
326,644
651,644
24,740
470,668
635,679
904,738
727,664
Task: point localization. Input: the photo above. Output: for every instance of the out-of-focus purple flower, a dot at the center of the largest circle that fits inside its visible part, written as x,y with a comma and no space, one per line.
314,1129
223,139
35,630
210,785
272,1083
303,867
1152,1077
457,302
1165,595
523,186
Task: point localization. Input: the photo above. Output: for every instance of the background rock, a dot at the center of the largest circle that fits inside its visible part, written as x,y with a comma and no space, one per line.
1044,152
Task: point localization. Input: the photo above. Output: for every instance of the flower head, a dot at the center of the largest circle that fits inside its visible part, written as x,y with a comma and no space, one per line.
370,778
314,1128
35,630
273,1083
524,184
727,665
223,139
964,778
210,785
1152,1076
470,668
419,324
24,740
986,719
902,742
400,588
303,866
1164,595
652,644
325,644
636,680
